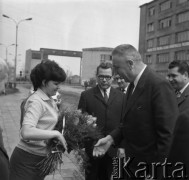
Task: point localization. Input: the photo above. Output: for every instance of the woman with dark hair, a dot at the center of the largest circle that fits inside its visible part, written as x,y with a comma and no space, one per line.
39,119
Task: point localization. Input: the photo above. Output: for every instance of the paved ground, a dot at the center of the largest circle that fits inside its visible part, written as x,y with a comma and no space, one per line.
9,121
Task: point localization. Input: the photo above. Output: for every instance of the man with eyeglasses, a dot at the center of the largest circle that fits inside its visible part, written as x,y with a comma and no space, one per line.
105,103
148,118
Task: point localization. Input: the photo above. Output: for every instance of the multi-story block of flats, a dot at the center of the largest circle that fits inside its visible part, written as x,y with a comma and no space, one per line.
164,33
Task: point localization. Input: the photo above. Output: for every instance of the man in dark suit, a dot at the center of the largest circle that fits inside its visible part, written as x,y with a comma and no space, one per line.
149,116
4,160
105,103
178,76
180,146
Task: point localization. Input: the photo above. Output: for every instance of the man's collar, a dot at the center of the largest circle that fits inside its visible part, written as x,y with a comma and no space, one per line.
182,90
139,75
107,90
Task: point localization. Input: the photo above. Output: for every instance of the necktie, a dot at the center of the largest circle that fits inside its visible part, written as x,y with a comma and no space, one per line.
178,94
130,90
123,90
105,96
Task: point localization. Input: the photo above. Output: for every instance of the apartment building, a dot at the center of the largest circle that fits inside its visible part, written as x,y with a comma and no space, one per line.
92,57
164,33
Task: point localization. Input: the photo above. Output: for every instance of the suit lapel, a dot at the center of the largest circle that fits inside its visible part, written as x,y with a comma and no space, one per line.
98,94
111,95
137,92
183,96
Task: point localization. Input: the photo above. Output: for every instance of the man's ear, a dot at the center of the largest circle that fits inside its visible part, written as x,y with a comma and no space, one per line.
186,74
130,63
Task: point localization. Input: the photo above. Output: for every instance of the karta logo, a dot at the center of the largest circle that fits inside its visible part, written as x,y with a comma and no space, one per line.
122,168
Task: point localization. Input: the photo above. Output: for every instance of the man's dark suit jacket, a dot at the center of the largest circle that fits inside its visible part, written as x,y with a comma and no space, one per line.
180,148
183,100
108,117
148,120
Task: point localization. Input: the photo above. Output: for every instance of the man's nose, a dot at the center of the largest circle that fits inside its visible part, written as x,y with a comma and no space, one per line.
169,78
104,79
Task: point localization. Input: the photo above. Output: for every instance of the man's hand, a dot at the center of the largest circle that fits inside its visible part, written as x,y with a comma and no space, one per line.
121,153
102,146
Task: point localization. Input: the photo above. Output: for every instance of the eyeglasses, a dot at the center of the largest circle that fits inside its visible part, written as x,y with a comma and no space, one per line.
107,78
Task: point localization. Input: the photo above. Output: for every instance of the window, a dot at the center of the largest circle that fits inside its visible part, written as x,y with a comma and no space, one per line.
182,17
165,5
150,43
164,23
105,57
150,27
149,59
151,11
163,58
36,55
182,36
164,40
182,1
182,55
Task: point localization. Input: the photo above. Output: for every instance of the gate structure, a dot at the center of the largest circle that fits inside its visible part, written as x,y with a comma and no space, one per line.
45,52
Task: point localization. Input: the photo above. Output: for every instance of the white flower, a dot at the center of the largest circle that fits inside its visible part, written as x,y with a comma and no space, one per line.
91,120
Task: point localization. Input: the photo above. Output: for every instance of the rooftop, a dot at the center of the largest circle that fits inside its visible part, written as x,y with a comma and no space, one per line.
98,49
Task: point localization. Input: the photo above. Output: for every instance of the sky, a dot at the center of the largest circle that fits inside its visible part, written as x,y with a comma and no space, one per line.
67,25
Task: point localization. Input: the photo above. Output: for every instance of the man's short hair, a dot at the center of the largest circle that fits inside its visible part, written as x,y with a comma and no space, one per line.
105,65
127,50
182,66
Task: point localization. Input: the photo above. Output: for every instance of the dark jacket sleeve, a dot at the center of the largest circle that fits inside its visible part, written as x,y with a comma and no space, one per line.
180,146
117,136
165,113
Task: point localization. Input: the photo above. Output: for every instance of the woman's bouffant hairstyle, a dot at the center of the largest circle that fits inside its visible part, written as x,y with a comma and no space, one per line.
47,70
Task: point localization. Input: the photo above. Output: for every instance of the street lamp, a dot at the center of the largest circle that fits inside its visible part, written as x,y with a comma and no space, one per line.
6,46
17,24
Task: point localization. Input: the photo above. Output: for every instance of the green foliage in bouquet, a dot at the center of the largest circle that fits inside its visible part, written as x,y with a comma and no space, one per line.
76,128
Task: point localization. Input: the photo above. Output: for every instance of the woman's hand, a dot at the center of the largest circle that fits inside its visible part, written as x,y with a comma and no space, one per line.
62,140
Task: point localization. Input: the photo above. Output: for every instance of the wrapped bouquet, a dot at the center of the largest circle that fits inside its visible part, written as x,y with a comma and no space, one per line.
76,128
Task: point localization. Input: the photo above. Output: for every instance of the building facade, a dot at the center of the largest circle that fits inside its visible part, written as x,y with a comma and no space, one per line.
164,33
32,59
92,57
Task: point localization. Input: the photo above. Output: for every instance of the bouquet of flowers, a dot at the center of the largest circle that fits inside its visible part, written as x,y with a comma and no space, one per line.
76,127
